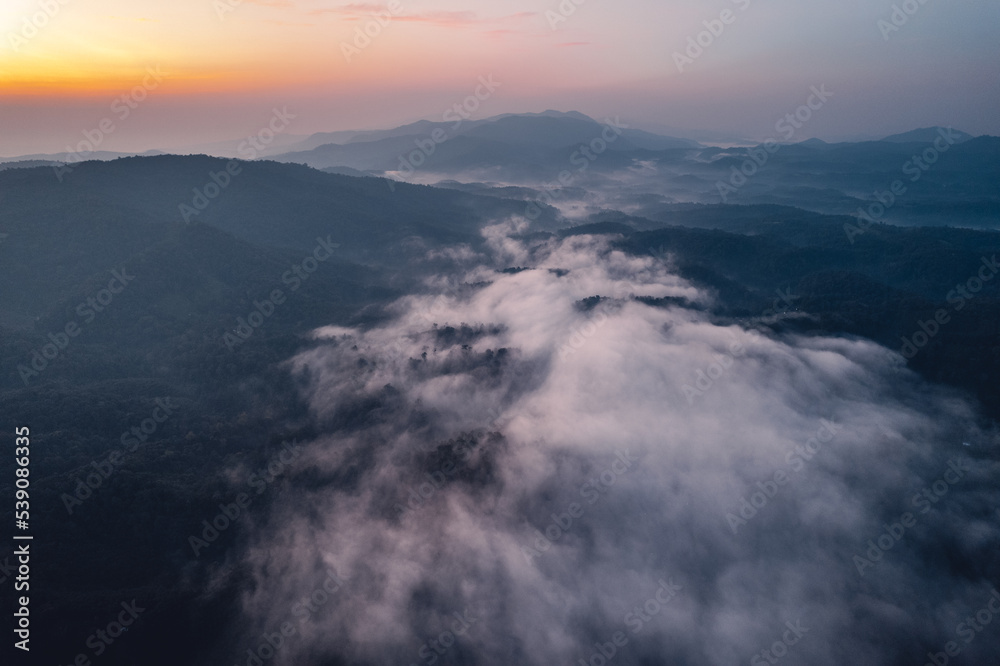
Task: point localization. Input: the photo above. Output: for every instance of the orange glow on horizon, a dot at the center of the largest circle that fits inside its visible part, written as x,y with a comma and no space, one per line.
272,47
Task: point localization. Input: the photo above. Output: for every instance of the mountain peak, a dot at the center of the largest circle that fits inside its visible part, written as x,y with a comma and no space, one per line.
548,113
928,134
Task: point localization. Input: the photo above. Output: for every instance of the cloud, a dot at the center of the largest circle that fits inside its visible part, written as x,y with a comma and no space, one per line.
448,19
444,18
545,449
283,4
463,18
135,18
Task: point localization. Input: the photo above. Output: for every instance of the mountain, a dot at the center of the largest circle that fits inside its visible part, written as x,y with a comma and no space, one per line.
565,131
945,184
817,144
28,164
348,171
63,158
277,205
528,140
421,127
927,135
548,153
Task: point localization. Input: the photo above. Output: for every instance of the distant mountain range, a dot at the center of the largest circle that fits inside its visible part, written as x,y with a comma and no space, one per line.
510,140
514,145
581,165
927,135
47,159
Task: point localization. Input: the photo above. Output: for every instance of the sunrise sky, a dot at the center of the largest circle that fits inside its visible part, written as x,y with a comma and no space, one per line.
227,63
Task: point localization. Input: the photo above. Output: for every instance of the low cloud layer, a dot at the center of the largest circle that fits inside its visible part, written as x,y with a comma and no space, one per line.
517,472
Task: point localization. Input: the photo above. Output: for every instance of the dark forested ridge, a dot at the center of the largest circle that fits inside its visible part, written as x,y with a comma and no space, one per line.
113,302
768,260
888,286
142,308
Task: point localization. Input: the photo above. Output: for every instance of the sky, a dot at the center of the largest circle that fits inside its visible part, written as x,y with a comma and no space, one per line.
224,65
